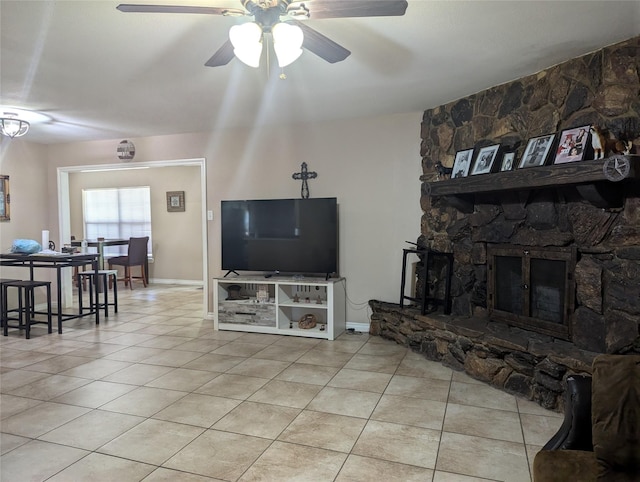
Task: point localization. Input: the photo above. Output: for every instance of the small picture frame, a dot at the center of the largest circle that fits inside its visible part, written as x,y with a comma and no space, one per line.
462,163
175,201
508,160
573,145
537,151
5,198
485,159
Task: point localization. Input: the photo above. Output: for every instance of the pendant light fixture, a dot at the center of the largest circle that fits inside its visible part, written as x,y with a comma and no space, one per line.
11,126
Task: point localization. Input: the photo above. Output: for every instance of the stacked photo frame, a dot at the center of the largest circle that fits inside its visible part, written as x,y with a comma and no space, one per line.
572,145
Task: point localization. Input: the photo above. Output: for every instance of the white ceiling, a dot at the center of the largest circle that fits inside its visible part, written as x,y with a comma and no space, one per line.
102,74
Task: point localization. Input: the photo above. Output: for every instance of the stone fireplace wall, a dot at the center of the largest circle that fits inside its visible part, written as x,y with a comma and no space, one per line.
601,88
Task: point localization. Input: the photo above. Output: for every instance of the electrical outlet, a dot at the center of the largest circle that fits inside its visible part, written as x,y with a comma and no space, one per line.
210,215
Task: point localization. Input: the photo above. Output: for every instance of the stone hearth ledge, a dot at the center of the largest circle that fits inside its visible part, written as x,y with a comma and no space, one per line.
517,361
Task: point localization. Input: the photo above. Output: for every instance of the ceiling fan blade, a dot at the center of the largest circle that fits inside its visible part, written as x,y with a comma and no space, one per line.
355,8
320,45
128,7
222,57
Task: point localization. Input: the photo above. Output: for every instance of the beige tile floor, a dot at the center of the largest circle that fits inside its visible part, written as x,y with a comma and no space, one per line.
155,394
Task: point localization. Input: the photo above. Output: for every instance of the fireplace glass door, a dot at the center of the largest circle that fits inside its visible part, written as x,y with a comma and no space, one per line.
508,293
532,288
547,289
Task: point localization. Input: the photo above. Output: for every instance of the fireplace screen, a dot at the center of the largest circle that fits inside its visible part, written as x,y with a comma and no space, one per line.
547,289
508,295
532,287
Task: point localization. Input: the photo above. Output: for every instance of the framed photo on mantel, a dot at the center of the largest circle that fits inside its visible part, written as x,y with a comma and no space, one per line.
462,163
507,161
486,159
573,145
537,151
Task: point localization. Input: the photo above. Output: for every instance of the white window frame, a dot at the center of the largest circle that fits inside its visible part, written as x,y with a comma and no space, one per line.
117,212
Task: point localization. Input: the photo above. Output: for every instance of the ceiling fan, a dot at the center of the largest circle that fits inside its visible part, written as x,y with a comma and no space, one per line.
281,20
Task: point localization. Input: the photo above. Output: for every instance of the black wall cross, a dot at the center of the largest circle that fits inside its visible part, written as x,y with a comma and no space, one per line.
304,175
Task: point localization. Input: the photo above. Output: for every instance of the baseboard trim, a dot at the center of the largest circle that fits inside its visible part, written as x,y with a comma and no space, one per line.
165,281
361,327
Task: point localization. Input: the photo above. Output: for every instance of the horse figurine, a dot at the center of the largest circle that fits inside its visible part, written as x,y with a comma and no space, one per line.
598,142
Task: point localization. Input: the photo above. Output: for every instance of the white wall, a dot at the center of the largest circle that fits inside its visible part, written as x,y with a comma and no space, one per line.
25,164
371,165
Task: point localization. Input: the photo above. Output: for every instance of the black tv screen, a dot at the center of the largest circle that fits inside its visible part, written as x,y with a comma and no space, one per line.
298,236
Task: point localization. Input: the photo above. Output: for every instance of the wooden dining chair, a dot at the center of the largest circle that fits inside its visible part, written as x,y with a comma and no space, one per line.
137,256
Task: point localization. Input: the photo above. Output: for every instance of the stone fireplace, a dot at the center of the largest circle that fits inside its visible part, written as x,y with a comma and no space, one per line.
568,286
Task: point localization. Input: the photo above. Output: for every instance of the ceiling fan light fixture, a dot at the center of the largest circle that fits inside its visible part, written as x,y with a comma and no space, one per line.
11,126
247,43
287,42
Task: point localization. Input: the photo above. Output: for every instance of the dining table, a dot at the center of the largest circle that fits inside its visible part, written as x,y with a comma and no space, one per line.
57,261
100,244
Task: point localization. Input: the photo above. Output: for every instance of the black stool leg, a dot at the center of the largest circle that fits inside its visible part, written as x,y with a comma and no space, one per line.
103,280
29,296
5,312
2,310
20,309
96,283
79,285
91,282
49,325
115,293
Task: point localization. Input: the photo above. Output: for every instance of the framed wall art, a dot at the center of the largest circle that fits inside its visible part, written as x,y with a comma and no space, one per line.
4,198
537,151
572,145
486,159
508,160
462,163
175,201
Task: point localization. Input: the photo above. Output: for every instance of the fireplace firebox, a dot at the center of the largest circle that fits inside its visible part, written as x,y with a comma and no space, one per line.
532,287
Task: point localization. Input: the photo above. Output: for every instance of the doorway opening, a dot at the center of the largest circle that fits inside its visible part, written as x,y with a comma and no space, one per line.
64,211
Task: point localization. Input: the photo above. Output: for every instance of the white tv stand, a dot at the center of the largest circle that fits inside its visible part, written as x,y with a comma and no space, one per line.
288,300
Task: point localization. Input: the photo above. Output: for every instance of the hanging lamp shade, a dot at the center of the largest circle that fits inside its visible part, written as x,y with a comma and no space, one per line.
287,42
247,43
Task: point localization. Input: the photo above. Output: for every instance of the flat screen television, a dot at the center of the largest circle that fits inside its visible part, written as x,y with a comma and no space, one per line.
297,236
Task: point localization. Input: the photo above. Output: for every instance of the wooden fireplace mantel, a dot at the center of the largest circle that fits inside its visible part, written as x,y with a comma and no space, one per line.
596,181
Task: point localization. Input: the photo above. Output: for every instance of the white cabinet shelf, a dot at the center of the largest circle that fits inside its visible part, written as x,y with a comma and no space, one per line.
275,305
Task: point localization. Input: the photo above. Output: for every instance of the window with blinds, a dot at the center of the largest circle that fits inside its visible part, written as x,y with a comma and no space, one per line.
123,212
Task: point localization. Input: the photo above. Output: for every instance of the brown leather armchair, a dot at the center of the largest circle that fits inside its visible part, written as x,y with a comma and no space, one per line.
600,437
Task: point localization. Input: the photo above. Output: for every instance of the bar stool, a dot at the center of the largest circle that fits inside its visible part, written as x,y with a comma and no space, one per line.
26,305
3,280
103,278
